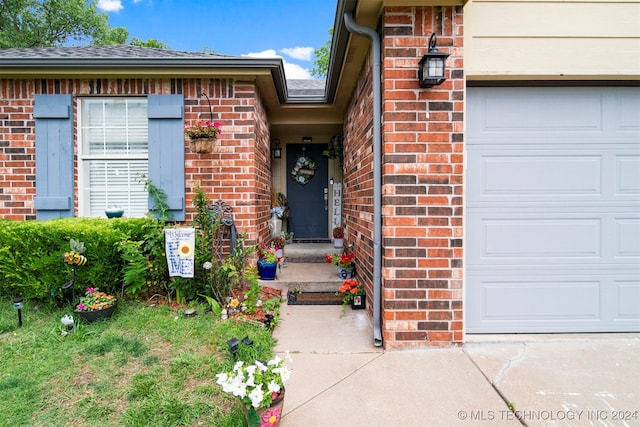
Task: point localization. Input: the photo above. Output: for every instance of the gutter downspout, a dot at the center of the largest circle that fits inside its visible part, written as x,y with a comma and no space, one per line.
377,174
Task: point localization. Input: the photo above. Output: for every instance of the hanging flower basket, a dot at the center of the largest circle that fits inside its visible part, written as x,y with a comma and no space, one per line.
203,145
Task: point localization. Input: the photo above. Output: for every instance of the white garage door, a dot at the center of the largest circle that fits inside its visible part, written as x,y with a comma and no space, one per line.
553,209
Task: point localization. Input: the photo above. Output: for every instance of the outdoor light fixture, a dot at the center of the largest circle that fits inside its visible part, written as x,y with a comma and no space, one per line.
247,341
307,139
432,66
233,344
276,151
17,304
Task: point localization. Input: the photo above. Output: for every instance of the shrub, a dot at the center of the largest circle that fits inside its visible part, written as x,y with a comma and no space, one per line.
31,254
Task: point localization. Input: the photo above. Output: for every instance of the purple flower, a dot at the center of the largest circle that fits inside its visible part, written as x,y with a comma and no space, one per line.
80,307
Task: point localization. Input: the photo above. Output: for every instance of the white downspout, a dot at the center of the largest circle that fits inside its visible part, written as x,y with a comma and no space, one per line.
377,172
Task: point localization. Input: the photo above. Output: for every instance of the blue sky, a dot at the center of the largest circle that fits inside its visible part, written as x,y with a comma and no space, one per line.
290,29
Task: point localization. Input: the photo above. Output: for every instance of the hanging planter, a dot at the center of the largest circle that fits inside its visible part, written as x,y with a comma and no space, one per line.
203,145
303,170
203,135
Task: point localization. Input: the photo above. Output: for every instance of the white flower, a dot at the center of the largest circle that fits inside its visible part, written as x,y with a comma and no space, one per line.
273,387
261,366
275,361
256,397
207,265
239,388
284,373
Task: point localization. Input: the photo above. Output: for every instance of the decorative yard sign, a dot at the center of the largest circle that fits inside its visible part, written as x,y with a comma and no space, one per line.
179,247
336,209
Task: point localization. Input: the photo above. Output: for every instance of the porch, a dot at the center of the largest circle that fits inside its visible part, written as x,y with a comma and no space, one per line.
305,269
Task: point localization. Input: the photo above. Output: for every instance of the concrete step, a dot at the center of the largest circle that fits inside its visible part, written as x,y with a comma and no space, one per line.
308,252
305,276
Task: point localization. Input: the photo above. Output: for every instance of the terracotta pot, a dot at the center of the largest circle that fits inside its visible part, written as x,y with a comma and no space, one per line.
266,416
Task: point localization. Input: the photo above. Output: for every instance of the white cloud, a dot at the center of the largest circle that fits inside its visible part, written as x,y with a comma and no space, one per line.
295,71
301,53
291,70
269,53
110,5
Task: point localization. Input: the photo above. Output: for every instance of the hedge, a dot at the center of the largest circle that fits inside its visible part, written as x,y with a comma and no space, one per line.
31,254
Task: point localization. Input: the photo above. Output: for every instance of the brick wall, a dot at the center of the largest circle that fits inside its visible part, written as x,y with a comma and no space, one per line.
237,172
422,136
357,204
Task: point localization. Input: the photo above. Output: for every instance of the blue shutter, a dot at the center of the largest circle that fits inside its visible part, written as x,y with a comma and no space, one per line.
166,150
54,156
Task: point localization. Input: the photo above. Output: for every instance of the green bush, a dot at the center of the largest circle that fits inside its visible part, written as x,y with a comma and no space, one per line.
31,254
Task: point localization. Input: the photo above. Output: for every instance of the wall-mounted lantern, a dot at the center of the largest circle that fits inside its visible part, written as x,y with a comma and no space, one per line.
432,65
276,151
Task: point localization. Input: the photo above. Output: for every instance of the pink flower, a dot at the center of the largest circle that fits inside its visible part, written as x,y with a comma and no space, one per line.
90,290
270,417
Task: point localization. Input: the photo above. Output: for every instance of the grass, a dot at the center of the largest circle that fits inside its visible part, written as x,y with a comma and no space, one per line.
144,366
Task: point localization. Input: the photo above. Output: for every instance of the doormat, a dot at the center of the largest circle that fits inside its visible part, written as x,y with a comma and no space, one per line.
313,298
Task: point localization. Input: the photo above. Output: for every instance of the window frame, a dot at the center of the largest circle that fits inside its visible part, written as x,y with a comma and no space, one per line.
84,198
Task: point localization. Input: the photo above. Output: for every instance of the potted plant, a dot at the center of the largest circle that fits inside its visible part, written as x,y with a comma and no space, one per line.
203,135
344,262
352,293
96,305
338,237
288,237
267,262
260,387
278,243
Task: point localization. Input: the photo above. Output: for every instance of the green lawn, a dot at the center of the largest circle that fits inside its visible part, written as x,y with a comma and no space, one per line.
146,366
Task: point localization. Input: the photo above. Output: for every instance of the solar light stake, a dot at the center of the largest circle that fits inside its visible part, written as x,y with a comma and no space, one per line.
233,344
17,304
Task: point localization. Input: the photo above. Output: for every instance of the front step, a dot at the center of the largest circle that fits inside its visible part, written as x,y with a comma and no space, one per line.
308,252
305,276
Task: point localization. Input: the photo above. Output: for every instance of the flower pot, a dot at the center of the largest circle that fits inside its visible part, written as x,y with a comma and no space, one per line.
266,417
359,302
345,273
92,316
114,213
203,145
267,271
338,243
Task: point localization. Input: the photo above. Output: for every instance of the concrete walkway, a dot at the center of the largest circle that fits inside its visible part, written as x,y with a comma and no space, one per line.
340,379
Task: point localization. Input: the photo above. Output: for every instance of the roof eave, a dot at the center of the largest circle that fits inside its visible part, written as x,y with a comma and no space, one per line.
62,67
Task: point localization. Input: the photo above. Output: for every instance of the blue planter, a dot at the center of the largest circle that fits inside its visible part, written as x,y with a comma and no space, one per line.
267,271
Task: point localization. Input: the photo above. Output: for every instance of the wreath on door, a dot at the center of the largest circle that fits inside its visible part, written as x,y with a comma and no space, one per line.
303,170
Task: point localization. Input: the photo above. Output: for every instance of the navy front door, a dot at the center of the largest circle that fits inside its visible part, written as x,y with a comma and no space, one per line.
308,209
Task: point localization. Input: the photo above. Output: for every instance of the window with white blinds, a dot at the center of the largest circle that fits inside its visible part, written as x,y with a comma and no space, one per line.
113,156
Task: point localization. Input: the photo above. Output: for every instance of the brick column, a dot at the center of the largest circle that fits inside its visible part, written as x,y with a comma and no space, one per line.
422,181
